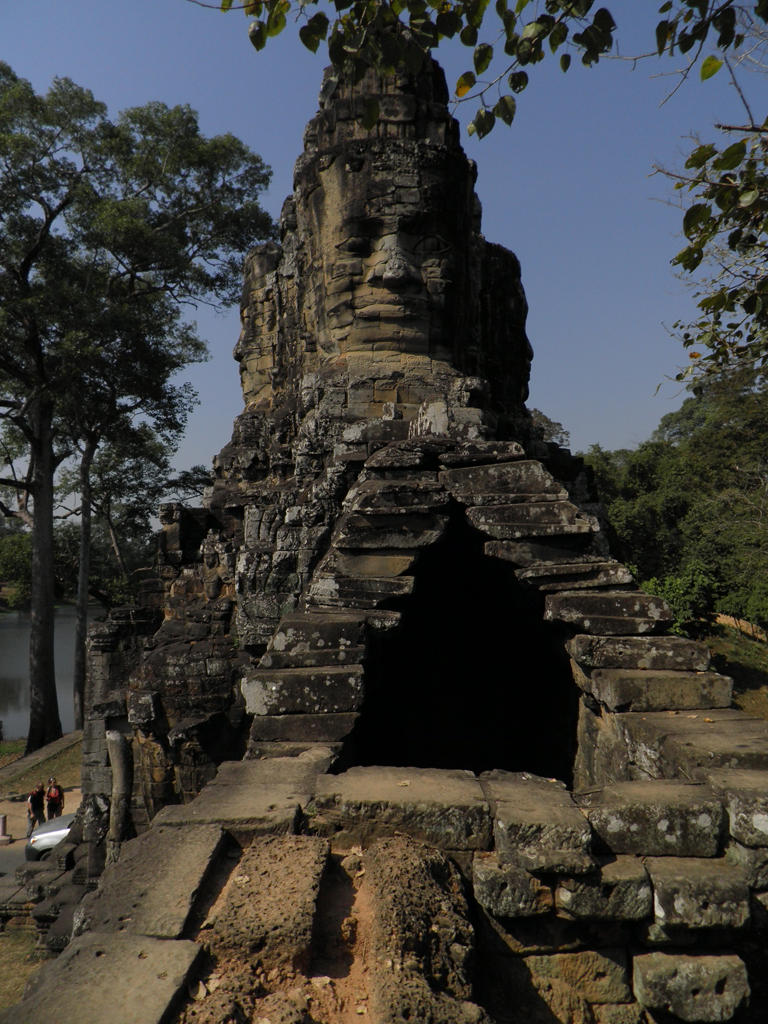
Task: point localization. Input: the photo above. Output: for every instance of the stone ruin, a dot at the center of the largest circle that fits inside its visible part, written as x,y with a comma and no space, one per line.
397,735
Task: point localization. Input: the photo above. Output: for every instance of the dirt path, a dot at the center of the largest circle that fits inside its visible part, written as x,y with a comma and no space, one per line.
338,975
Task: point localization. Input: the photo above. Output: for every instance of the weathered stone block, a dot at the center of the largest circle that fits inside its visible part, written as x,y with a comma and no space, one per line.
609,611
528,519
297,728
318,630
445,807
693,988
381,564
335,688
745,794
640,690
316,658
476,453
97,974
575,576
510,478
358,592
256,919
618,1013
751,861
600,976
655,819
665,745
152,888
396,496
536,824
619,891
253,797
695,893
506,890
659,654
568,550
409,530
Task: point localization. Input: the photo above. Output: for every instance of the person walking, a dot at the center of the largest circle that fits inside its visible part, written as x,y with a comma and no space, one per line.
35,808
54,799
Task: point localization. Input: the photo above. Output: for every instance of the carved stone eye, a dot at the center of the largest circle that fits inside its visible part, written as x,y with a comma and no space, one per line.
355,245
430,245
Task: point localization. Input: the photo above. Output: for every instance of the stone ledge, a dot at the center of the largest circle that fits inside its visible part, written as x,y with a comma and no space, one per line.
446,808
656,818
107,978
634,690
650,653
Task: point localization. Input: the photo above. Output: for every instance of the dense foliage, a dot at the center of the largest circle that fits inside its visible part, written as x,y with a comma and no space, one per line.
690,506
110,230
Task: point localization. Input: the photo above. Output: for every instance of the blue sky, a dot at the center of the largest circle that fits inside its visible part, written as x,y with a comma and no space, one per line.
568,187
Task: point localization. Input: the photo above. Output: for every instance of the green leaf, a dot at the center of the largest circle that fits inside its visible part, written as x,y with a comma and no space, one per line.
309,39
468,35
731,157
689,258
665,7
505,109
482,57
748,198
557,36
521,5
465,83
501,8
662,34
370,115
276,21
252,8
483,123
510,21
700,156
257,33
694,216
518,81
565,62
448,23
710,66
226,5
533,30
391,50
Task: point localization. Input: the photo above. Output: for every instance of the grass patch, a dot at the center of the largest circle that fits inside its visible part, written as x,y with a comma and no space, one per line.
64,767
746,661
17,962
10,751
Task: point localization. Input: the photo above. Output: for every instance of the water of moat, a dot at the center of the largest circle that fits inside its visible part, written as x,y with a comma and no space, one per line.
14,669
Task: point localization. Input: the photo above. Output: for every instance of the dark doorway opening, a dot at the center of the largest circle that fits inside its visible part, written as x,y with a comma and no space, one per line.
473,678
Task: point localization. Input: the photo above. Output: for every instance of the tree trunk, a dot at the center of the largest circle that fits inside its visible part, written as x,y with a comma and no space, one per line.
81,618
44,721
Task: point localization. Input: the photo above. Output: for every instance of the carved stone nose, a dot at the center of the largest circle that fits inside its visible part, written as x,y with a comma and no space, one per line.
398,273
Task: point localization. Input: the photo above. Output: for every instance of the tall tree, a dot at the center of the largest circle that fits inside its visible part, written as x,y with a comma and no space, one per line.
109,230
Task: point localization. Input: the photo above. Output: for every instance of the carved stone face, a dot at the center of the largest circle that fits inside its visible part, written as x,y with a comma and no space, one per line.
390,246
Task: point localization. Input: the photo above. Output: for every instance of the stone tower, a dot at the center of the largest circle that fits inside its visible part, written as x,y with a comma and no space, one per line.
396,628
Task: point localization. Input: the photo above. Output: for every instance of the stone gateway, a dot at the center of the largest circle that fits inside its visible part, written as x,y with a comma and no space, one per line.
395,734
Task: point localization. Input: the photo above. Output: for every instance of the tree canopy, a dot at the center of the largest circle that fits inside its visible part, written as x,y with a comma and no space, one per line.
110,232
690,506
